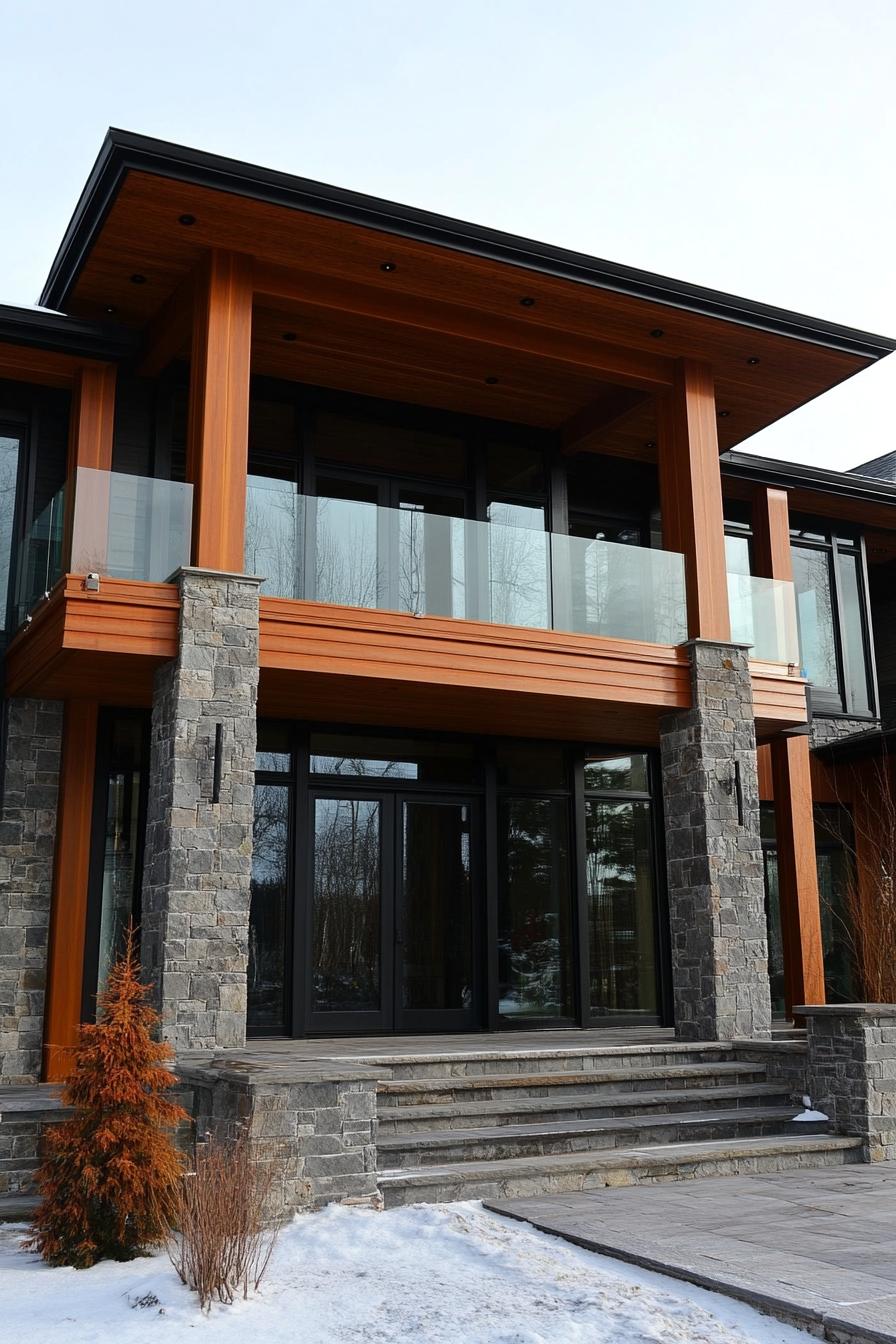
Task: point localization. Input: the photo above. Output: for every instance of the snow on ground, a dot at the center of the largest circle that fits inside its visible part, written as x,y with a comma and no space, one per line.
432,1274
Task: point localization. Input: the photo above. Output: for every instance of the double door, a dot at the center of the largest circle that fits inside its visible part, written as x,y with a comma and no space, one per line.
392,912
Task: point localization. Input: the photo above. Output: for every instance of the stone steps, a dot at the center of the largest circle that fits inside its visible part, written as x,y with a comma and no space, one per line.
498,1142
562,1173
653,1076
555,1060
472,1112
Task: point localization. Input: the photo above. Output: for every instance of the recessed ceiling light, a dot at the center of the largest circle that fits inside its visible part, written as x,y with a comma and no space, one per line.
754,359
110,308
724,414
650,443
138,279
491,380
289,336
657,332
527,302
388,266
186,220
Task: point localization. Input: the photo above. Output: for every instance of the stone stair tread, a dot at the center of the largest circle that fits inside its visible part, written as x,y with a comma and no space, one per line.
581,1051
480,1081
615,1159
30,1100
18,1208
441,1138
609,1100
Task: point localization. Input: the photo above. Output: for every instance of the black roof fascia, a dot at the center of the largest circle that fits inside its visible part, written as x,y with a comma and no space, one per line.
123,151
793,475
858,746
67,335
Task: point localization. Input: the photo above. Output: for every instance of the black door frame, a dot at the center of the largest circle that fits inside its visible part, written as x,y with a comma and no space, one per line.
485,794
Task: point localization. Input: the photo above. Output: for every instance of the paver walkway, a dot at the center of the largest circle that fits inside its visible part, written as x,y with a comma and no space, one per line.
816,1248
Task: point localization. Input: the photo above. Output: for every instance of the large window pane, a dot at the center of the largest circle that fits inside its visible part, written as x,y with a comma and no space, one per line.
534,917
815,616
347,905
268,909
620,886
363,757
855,668
9,472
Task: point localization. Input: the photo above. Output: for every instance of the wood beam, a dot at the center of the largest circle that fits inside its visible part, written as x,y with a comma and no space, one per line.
771,534
584,431
791,771
797,872
607,362
71,870
92,418
218,433
691,496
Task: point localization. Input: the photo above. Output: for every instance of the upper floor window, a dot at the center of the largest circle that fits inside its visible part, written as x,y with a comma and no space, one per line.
832,617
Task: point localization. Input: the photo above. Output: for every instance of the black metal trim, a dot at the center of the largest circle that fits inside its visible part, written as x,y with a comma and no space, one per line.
794,475
68,335
124,151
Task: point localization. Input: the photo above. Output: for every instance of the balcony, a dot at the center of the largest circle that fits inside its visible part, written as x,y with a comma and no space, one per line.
124,527
350,553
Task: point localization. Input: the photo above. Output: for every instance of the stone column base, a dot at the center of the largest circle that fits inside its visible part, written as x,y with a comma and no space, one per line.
852,1071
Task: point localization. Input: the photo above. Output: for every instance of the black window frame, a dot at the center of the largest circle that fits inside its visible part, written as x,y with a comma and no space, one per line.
833,539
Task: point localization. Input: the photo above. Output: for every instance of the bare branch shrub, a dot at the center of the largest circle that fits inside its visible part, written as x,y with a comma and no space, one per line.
223,1243
869,794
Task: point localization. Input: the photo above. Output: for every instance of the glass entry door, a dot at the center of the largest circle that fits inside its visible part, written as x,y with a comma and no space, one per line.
390,919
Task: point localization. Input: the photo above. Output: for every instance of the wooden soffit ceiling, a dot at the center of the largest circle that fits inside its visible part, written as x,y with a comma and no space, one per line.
439,325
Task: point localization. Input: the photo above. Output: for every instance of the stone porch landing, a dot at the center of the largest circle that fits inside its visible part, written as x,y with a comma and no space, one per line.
816,1249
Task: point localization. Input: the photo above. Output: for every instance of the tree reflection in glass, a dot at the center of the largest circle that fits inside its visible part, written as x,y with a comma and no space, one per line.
346,924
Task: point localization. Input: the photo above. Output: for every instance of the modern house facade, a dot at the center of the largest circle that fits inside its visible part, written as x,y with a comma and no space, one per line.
397,633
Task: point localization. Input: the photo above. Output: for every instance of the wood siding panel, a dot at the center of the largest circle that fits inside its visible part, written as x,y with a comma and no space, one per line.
797,872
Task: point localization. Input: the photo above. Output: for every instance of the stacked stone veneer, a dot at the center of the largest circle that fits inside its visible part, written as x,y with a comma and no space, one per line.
30,784
824,731
314,1125
714,855
852,1071
195,918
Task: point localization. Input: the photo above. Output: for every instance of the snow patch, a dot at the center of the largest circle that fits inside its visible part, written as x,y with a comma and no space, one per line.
808,1113
429,1274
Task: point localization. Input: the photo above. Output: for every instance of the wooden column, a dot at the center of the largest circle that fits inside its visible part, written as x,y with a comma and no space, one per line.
691,496
792,782
218,436
90,436
71,866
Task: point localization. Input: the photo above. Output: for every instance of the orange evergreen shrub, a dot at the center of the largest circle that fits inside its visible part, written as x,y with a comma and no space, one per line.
109,1175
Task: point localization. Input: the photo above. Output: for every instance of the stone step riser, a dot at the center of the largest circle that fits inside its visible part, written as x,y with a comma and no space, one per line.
452,1091
398,1120
547,1144
523,1186
598,1060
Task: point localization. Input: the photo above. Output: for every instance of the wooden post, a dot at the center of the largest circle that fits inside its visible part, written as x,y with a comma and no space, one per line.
691,496
71,869
90,436
792,782
218,434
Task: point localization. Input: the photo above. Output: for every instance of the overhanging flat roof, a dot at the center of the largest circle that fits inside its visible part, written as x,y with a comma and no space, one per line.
39,329
124,152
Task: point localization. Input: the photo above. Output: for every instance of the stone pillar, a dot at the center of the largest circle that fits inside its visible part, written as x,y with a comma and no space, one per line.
714,852
30,784
852,1071
195,922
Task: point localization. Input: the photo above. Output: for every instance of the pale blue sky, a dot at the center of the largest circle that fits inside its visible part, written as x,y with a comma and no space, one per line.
745,146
